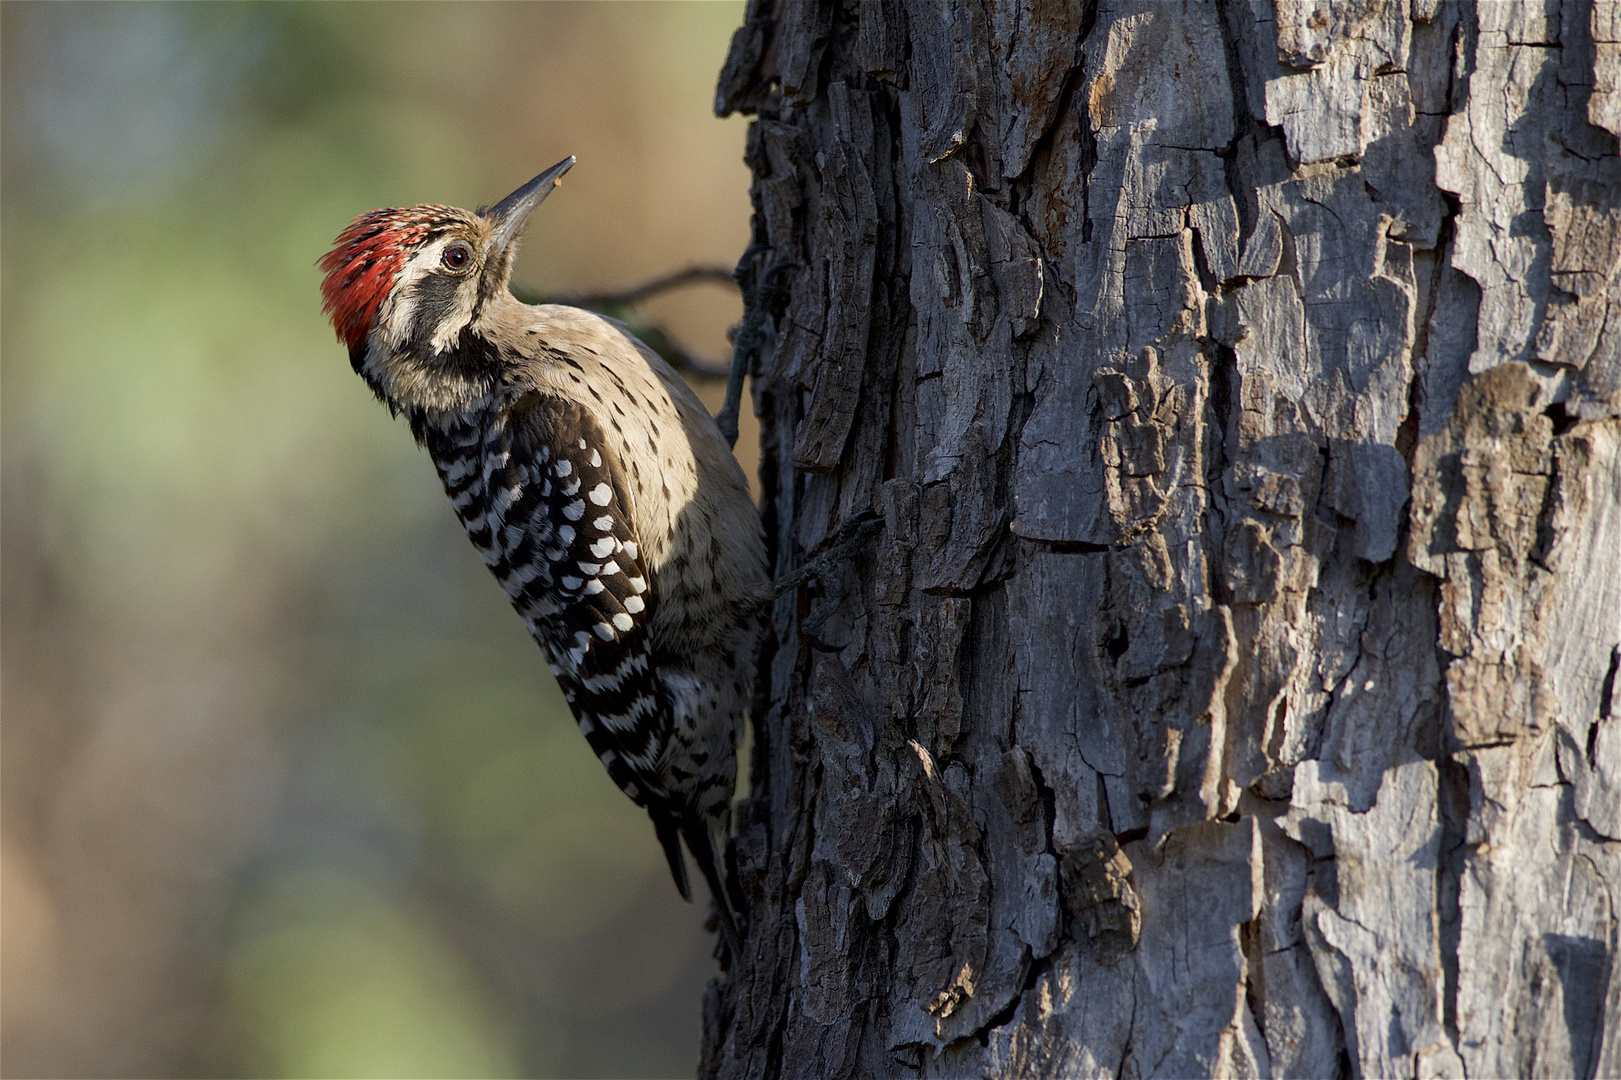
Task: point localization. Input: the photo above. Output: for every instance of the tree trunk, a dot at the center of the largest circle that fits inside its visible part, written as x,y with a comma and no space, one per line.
1232,688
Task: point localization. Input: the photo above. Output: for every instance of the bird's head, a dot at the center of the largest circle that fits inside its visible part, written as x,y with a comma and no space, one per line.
406,290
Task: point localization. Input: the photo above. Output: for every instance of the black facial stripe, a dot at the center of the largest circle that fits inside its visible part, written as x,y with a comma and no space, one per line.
435,299
471,358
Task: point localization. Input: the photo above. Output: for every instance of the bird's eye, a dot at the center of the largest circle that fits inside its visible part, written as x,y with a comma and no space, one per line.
456,256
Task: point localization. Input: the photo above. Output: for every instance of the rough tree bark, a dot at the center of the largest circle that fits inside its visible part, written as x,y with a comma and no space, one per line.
1232,688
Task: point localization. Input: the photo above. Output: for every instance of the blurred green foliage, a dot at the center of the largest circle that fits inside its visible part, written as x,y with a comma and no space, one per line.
410,863
333,980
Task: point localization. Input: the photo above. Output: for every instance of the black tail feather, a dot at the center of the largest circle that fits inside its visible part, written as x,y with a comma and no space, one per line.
672,828
703,852
665,826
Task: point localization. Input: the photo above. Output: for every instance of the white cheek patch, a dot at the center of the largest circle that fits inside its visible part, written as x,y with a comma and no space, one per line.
394,319
460,315
399,313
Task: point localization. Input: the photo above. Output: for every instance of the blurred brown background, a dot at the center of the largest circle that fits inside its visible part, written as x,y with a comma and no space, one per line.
287,789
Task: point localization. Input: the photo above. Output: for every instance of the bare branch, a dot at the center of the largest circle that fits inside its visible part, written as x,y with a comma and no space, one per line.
623,303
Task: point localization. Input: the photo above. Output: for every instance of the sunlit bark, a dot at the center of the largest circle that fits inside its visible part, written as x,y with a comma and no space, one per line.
1233,686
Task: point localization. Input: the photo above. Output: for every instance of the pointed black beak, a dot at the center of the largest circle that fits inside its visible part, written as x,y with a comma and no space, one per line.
512,213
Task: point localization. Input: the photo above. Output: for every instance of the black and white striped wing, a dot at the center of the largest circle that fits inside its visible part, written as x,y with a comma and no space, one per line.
598,636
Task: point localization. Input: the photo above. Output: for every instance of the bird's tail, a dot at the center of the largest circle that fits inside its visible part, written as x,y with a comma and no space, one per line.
670,839
702,845
672,829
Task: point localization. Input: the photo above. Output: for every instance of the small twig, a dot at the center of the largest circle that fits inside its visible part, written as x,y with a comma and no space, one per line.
852,534
699,367
759,294
622,305
637,293
811,627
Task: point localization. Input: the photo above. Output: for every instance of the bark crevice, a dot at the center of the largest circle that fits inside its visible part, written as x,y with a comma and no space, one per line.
1231,384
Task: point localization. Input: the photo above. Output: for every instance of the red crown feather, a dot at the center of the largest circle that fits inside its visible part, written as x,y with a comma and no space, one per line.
364,262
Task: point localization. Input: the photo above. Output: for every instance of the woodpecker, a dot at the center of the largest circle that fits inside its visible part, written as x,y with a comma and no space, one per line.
594,486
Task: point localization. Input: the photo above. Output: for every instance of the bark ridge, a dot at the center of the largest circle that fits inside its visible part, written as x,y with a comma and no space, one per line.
1233,686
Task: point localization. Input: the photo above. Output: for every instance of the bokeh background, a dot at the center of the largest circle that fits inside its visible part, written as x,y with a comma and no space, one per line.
287,790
